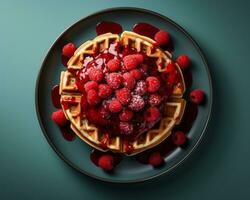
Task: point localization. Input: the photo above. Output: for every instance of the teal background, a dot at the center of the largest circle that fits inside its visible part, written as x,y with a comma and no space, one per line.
29,168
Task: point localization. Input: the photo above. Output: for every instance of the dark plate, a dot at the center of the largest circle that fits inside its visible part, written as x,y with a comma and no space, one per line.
76,153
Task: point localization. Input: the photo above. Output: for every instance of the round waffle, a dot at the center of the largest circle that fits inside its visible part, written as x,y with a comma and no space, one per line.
173,108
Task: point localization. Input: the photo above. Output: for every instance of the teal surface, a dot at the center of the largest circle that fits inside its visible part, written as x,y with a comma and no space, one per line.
29,168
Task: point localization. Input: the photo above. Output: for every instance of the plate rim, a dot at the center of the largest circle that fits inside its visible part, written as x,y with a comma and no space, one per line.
210,100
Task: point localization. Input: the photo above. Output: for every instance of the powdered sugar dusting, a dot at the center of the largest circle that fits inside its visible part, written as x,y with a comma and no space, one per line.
112,49
87,60
136,103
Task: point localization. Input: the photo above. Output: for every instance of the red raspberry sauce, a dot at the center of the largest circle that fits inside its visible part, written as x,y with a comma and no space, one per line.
108,27
55,97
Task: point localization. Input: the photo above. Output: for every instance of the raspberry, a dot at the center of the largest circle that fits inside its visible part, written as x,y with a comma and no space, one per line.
136,103
96,75
97,116
154,99
126,128
152,114
153,84
59,118
155,159
128,80
179,138
91,85
164,76
162,38
141,87
115,106
170,67
123,95
104,91
130,62
196,96
183,61
171,79
138,57
68,50
92,97
126,115
106,162
114,80
94,116
104,112
81,79
136,74
114,65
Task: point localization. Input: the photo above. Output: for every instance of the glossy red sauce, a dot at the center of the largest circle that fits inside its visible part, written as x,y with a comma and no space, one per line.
187,78
145,29
55,96
128,147
67,133
64,60
108,27
105,141
66,102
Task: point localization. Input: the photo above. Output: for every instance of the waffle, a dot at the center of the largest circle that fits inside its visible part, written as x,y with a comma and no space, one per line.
173,110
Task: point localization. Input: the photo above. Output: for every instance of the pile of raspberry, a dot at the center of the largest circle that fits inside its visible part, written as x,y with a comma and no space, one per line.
124,94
